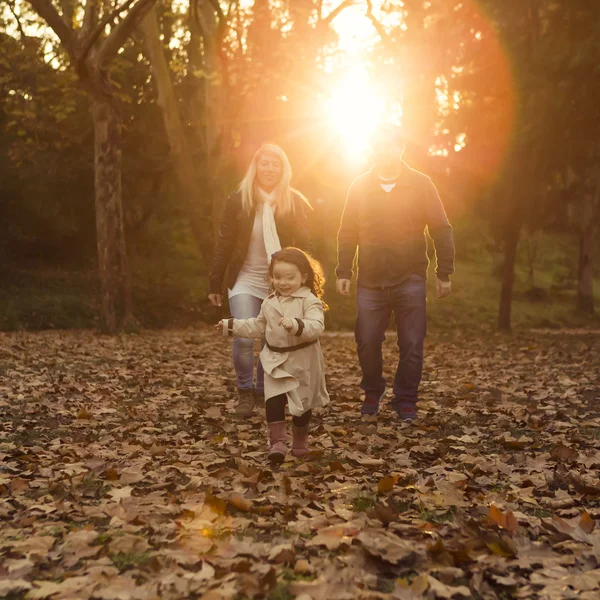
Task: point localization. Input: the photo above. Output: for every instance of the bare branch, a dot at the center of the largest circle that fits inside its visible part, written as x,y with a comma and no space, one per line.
378,26
11,6
46,10
99,29
336,11
118,36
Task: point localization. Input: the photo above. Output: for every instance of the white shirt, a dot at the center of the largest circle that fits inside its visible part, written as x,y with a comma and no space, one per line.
252,278
387,185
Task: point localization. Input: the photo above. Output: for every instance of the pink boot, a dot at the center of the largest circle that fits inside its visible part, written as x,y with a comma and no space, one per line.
300,441
277,441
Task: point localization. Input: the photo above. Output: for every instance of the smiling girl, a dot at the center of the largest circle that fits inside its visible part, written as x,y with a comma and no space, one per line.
264,215
292,321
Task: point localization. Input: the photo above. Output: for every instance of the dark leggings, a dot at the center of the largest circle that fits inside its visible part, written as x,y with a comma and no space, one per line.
275,408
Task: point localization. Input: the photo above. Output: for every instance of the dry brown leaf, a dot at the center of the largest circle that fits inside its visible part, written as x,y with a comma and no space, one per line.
506,520
334,536
303,567
283,553
562,453
387,546
386,484
446,591
586,523
17,484
214,412
239,502
217,505
84,414
13,586
128,544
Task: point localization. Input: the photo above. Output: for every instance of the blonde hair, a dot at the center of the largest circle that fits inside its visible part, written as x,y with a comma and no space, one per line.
283,192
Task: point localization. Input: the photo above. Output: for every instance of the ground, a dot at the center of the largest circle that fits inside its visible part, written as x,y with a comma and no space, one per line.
125,474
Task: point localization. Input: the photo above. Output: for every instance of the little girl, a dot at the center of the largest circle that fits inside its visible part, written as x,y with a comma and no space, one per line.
291,319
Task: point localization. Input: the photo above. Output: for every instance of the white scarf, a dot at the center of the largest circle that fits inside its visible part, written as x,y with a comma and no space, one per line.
272,243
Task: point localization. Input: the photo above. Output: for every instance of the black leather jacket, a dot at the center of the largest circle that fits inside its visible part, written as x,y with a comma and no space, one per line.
234,239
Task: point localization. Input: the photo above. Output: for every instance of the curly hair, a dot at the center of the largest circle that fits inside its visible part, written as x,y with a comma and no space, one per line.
307,265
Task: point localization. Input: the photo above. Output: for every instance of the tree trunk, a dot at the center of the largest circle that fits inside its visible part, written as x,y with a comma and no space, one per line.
511,243
110,232
183,160
206,101
585,288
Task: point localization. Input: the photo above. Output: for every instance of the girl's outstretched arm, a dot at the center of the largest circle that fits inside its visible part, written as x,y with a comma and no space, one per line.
245,328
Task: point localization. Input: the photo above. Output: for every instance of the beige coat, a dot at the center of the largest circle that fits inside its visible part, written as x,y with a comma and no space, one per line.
300,373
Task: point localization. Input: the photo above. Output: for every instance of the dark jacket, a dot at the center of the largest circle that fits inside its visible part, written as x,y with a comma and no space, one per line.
389,230
234,238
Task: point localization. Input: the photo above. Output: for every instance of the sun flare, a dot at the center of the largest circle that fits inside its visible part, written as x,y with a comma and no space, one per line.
355,107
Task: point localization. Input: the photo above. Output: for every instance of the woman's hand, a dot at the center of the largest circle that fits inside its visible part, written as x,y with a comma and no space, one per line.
219,326
287,324
215,299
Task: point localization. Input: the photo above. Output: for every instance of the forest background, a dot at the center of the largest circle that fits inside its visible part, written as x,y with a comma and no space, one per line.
124,127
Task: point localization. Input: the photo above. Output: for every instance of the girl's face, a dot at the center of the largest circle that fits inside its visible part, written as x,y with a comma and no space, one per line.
287,278
268,171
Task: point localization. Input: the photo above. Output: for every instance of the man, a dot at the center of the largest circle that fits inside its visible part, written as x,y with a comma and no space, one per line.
386,212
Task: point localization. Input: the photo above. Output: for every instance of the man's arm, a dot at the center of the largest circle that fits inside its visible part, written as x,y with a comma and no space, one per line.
440,231
348,236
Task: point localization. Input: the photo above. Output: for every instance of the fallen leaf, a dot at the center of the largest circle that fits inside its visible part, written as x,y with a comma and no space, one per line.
13,586
386,484
446,591
283,553
506,520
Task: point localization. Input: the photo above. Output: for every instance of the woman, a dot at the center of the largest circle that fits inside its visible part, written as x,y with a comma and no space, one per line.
263,216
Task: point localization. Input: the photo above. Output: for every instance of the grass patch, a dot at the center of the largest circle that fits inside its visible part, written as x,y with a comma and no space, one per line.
362,503
281,592
291,575
541,513
434,516
170,290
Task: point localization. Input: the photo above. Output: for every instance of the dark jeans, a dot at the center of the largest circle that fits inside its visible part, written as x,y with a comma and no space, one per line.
375,306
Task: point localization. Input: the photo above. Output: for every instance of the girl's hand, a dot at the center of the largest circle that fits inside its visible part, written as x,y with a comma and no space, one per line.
287,324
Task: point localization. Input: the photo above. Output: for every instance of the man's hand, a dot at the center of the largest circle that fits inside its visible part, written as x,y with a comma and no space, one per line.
343,286
219,326
215,299
442,288
287,324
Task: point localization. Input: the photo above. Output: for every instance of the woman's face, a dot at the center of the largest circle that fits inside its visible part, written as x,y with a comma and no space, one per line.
268,171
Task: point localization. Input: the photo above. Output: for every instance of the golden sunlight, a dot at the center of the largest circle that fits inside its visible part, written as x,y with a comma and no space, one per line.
355,106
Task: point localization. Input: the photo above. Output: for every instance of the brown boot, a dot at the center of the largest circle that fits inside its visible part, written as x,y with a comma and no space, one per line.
300,441
277,441
245,403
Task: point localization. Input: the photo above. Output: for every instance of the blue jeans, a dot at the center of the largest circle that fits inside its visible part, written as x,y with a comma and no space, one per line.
246,306
375,307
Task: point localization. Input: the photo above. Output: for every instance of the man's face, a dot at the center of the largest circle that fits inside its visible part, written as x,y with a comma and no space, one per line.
387,149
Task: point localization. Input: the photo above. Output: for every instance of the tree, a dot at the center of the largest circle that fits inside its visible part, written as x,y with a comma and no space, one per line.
181,154
91,54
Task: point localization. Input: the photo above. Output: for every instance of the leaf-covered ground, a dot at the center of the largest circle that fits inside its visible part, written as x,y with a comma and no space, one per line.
125,474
